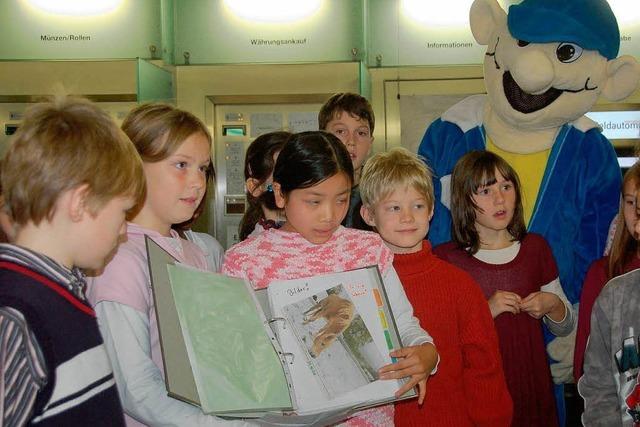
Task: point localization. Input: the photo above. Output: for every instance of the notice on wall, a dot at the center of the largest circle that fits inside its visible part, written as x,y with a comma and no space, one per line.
303,121
262,123
416,111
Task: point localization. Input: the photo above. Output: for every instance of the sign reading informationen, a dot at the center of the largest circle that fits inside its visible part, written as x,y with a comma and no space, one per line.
449,45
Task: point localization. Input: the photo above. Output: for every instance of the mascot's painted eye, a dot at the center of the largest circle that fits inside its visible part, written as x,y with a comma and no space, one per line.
568,52
522,43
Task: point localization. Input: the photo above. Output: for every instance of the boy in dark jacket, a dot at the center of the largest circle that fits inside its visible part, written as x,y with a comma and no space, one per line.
69,178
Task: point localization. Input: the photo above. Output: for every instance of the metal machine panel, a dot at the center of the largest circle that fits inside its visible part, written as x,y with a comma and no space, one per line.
237,121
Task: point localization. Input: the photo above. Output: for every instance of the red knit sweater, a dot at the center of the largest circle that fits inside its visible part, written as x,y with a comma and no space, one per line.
469,387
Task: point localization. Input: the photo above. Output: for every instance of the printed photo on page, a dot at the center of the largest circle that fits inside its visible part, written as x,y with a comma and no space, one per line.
336,342
336,331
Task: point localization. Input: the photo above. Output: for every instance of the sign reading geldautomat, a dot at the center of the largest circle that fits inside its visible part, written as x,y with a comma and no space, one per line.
38,29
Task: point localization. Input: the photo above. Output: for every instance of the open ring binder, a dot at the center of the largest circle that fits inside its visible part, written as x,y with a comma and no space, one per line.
290,356
240,344
278,319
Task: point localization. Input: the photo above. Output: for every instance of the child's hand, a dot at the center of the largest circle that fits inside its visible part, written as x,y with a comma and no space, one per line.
537,304
504,302
417,362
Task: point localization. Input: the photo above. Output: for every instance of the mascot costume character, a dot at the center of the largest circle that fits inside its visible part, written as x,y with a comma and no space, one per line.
546,64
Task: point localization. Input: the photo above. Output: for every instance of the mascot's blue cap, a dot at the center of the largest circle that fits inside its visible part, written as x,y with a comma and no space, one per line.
588,23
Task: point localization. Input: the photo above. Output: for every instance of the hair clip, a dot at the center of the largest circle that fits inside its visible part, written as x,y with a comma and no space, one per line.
270,188
269,223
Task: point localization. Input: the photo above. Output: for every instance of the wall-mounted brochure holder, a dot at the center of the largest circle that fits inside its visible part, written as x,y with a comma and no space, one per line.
301,352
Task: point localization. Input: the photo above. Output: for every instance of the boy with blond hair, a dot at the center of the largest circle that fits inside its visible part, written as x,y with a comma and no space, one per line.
349,116
469,388
69,179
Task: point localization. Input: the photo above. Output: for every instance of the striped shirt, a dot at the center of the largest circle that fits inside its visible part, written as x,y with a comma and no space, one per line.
73,280
23,371
82,374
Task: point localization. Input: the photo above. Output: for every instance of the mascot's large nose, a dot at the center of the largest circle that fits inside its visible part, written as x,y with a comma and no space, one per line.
532,71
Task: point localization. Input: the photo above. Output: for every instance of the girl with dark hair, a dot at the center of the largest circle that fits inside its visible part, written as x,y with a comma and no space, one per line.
517,274
260,160
623,257
313,177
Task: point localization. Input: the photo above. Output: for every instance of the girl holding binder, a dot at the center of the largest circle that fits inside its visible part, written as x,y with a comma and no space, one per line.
175,148
313,177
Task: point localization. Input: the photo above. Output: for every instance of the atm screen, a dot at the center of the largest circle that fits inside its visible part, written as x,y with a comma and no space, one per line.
10,129
234,130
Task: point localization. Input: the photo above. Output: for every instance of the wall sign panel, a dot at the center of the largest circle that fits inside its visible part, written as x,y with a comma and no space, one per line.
31,29
218,31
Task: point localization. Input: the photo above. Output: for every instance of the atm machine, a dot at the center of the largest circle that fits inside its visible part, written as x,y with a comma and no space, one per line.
11,113
236,122
116,86
12,110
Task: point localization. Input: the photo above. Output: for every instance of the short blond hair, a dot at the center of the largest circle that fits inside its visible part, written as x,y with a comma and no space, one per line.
61,145
398,168
157,130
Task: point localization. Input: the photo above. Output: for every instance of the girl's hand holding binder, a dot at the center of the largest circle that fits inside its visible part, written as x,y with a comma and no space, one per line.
417,362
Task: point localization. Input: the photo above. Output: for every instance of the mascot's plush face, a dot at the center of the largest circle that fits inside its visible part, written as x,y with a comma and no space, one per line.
538,85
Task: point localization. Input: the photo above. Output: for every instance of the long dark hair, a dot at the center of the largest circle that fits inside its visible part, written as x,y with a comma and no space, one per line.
259,164
309,158
474,170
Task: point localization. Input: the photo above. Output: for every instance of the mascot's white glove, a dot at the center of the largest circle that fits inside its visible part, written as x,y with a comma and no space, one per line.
561,349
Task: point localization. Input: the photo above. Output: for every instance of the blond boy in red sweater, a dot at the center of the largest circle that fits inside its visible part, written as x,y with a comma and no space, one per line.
469,388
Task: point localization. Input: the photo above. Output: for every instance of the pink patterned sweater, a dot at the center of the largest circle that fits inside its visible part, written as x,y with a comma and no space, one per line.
281,255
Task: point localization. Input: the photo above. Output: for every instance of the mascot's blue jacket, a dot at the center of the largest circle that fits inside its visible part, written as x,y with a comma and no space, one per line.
578,196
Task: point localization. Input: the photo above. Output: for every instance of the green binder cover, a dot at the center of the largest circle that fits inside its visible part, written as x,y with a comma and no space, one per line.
235,365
